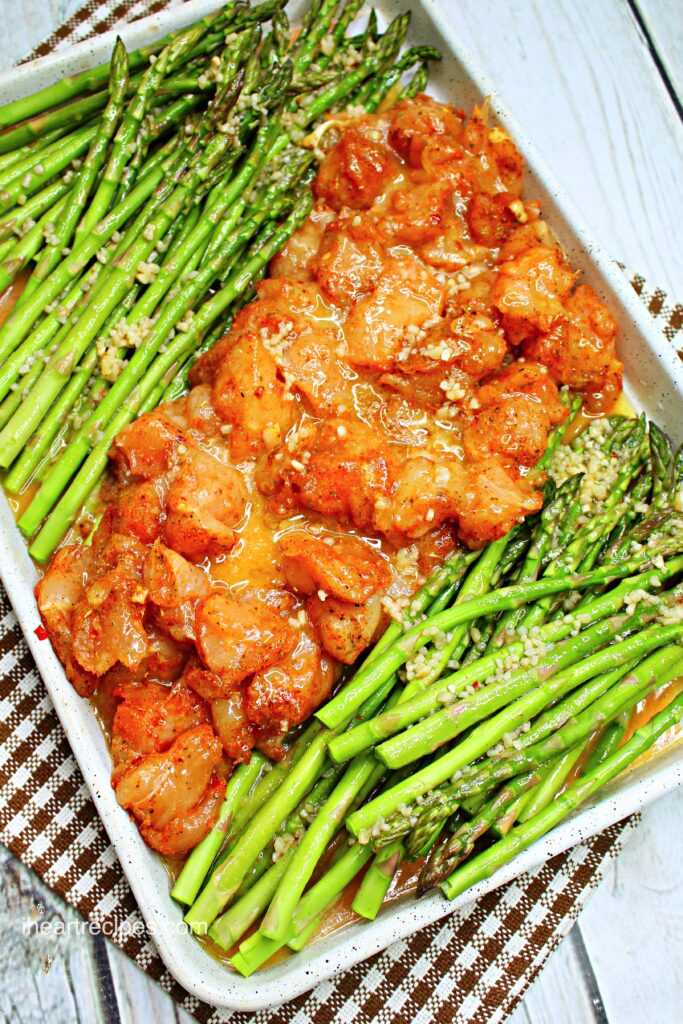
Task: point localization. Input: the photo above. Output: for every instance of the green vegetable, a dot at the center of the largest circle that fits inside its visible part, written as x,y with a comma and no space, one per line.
483,865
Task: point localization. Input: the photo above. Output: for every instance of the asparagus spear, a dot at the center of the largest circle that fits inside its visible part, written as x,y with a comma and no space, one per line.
460,845
31,161
490,732
34,208
552,781
609,741
40,443
328,821
374,94
289,832
478,582
225,882
198,863
307,43
324,893
453,719
231,18
26,182
20,321
417,84
86,176
229,928
30,151
18,395
486,863
258,949
116,284
22,252
625,690
546,537
432,698
582,551
377,879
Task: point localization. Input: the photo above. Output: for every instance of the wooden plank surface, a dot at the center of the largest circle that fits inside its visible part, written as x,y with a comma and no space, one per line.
662,23
47,966
633,929
583,80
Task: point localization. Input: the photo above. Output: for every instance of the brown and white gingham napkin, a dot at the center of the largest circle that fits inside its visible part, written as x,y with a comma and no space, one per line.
475,966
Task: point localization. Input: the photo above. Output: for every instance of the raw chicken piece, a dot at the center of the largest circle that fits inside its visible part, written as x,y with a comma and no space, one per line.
170,579
445,363
516,428
518,407
493,502
407,296
205,502
236,638
342,567
347,470
282,299
355,172
150,717
349,261
490,218
426,495
177,622
182,833
580,351
249,395
529,379
418,214
175,795
139,509
494,161
345,629
279,697
107,624
148,446
233,729
206,683
57,594
203,423
530,289
417,123
312,367
294,258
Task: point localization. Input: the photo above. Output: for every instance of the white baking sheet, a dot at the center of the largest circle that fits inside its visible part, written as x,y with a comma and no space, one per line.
654,382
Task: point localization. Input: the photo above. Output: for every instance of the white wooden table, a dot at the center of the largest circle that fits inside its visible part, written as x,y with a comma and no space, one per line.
599,86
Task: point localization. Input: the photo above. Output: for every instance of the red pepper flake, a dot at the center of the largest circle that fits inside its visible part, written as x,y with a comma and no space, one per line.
41,632
475,684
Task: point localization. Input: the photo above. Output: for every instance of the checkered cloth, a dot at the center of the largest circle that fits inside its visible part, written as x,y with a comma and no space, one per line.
474,966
